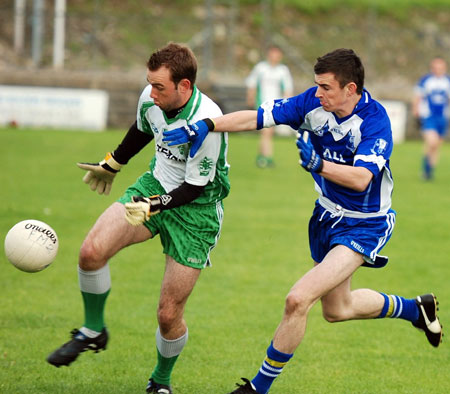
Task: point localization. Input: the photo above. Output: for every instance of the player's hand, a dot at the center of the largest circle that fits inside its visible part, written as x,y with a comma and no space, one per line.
309,159
100,176
194,133
141,209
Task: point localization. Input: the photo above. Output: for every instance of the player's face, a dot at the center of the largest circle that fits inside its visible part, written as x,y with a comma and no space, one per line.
332,97
438,67
164,92
274,56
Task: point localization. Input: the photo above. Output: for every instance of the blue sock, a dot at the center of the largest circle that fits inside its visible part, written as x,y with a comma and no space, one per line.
271,367
427,169
399,307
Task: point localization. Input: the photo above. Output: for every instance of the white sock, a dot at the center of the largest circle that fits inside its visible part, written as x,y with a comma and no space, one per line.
170,347
89,333
95,282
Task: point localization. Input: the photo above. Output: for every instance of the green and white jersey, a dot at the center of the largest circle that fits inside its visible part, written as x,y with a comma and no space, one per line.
270,82
172,165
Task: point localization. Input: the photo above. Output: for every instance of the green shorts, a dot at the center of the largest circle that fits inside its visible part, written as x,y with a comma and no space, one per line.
189,232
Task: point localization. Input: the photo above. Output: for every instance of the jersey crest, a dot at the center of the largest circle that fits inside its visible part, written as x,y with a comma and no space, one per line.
380,146
205,166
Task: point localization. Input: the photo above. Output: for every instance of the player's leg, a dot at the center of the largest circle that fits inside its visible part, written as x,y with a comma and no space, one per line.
432,142
172,333
342,304
265,156
188,235
110,233
337,267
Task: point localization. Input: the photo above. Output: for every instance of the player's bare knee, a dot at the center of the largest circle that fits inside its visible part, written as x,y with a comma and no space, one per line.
167,318
90,257
296,303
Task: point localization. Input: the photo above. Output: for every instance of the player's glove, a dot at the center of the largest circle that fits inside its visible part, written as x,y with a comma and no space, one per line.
100,176
194,133
309,159
142,208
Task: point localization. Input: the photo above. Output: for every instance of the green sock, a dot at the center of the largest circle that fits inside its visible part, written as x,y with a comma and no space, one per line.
163,369
94,305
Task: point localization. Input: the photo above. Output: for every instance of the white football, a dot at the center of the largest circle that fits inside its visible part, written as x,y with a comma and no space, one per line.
31,245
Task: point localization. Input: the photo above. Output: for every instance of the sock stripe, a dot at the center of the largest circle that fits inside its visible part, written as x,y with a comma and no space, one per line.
270,375
267,367
273,363
271,368
398,307
390,307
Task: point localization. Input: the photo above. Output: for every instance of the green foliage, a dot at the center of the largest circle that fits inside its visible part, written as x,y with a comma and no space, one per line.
387,6
237,303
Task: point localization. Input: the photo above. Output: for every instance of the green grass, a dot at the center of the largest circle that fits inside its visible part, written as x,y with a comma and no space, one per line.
237,303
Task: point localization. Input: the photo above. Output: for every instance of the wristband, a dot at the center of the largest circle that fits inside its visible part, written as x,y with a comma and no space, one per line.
110,163
210,123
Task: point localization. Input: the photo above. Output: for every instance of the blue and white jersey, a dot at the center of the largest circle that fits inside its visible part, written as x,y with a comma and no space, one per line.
435,95
362,139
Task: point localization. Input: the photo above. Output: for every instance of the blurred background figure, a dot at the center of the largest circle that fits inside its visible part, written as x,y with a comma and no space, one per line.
431,108
269,79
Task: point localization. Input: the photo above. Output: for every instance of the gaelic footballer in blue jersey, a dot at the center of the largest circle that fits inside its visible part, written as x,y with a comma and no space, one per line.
345,142
431,106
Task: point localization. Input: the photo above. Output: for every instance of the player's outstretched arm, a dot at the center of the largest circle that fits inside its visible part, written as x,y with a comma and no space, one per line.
197,132
100,175
194,133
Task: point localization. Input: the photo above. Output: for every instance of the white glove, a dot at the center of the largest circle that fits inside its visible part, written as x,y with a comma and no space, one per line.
141,209
100,176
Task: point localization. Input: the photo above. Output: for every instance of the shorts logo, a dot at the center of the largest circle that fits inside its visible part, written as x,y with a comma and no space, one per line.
194,260
357,246
205,166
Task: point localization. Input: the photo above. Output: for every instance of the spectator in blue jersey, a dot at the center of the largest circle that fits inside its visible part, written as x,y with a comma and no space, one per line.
345,143
431,107
269,79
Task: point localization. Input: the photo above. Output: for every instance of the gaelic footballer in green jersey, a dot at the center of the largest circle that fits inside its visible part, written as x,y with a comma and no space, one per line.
178,197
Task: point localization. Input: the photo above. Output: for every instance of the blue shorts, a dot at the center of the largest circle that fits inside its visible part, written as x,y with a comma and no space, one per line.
366,236
438,123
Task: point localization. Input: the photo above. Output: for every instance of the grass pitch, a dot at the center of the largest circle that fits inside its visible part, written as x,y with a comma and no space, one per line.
237,303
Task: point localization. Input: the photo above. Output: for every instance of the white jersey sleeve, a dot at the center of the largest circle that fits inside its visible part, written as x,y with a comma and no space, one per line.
201,168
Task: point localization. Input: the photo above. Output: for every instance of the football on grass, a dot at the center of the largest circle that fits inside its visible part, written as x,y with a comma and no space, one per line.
31,245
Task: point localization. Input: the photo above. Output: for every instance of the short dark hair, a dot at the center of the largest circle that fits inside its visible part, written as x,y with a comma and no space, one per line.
345,65
178,58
